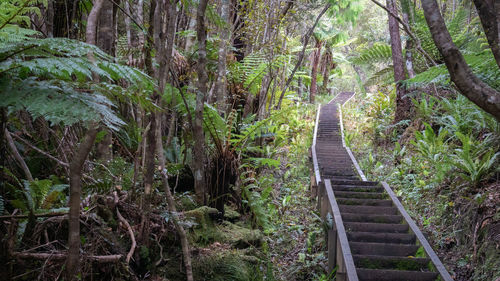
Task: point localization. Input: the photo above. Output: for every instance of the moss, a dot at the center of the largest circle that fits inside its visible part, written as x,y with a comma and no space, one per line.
205,231
230,214
240,237
227,265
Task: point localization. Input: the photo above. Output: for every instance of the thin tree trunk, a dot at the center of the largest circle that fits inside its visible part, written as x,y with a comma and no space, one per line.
199,136
468,84
75,186
409,42
49,22
301,55
76,167
221,83
402,103
314,71
171,203
128,30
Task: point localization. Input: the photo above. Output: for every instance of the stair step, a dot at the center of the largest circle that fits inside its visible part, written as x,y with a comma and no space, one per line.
353,194
357,183
393,275
354,217
391,262
364,202
382,237
382,249
368,210
376,227
354,188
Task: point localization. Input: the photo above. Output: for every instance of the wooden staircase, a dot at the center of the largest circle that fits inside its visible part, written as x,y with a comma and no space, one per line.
372,237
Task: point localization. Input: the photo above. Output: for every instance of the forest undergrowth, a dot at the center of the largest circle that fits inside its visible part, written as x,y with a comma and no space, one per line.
444,164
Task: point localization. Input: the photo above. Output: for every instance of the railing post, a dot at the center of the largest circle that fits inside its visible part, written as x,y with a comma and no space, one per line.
332,248
321,194
341,269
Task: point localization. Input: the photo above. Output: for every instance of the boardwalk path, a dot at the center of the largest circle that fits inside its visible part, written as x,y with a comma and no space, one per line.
372,236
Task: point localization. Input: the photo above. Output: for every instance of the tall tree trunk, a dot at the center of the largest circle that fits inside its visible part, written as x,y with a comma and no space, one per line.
489,14
314,71
301,55
106,42
467,83
402,103
76,167
221,83
199,136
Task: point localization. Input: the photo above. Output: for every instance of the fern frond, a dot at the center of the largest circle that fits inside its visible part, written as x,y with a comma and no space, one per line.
375,54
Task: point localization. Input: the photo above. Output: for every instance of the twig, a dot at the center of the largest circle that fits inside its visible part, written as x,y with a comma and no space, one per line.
17,156
130,231
40,151
45,215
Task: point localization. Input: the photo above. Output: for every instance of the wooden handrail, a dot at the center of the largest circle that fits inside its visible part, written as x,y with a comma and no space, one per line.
420,236
341,233
313,149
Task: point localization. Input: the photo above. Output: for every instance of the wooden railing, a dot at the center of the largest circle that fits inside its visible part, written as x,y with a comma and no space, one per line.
339,252
445,276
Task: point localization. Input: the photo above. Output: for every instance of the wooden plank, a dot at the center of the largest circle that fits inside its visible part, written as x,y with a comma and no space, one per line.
420,236
348,261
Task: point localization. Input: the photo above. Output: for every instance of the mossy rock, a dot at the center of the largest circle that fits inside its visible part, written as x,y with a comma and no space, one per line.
230,214
227,265
204,231
240,237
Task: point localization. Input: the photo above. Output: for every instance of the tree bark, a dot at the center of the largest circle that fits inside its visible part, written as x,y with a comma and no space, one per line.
314,71
76,167
199,136
90,33
75,186
467,83
301,55
402,103
221,83
489,14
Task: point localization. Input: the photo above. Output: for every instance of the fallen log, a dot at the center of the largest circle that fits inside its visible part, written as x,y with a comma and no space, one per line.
62,256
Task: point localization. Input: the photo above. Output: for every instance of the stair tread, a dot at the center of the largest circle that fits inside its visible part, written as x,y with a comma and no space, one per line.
365,274
391,262
381,237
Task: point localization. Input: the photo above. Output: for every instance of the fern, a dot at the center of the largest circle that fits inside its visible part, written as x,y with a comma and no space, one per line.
52,78
482,64
383,76
378,53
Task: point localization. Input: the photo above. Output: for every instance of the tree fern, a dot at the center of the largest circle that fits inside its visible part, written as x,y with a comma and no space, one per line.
53,78
378,53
